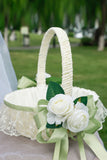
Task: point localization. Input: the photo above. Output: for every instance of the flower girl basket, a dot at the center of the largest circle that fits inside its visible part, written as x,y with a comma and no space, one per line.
17,113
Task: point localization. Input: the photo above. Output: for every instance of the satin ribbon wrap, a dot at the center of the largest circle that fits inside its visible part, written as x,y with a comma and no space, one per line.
60,136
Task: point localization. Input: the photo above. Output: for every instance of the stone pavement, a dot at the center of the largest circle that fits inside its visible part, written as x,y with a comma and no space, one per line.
37,47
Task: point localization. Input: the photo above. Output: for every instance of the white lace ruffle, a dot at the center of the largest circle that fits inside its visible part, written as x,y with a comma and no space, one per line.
101,113
15,123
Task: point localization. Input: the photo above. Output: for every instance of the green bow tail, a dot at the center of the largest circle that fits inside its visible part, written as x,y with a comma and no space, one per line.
25,82
59,136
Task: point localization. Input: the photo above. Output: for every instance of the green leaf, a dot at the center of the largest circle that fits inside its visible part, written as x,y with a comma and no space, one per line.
82,100
53,89
53,79
40,118
92,109
53,125
93,126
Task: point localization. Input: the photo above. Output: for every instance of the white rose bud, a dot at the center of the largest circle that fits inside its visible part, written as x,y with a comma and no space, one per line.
61,105
78,120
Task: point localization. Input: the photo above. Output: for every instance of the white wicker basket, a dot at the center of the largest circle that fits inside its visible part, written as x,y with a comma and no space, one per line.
16,115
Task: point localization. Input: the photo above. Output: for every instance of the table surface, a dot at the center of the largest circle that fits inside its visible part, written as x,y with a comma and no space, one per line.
22,148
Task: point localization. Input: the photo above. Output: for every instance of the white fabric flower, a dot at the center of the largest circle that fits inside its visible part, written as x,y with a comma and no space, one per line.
61,104
80,105
59,108
79,119
52,118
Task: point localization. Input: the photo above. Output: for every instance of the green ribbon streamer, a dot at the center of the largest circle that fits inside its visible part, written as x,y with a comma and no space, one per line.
96,146
56,155
81,147
61,149
60,136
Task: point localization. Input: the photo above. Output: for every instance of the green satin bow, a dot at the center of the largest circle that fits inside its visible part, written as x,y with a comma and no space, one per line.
60,136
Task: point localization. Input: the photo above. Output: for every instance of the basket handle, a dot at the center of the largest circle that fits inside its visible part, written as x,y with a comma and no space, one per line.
67,69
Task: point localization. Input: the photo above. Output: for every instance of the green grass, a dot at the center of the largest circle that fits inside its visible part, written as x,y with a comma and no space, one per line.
89,65
35,40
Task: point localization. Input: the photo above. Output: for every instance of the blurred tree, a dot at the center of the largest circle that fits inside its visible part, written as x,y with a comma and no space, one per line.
19,10
103,8
89,11
71,9
10,13
97,10
4,14
50,13
42,14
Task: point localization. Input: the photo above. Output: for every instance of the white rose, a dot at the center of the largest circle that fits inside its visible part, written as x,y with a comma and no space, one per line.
59,108
79,119
61,104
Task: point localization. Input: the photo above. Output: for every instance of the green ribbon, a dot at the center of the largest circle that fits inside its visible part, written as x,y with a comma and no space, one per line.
96,146
25,82
81,147
59,136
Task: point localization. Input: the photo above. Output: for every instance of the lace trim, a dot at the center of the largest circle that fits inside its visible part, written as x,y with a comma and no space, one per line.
101,113
7,125
16,123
